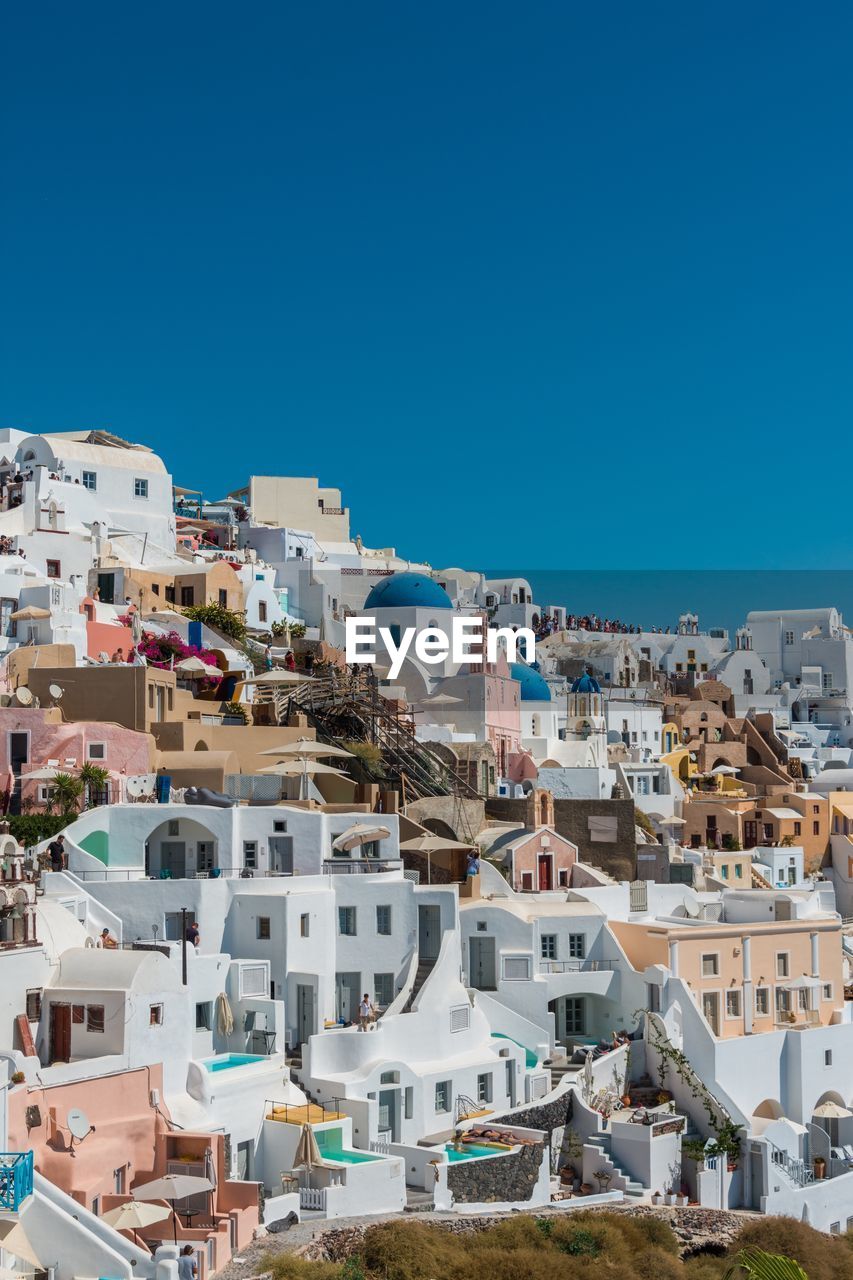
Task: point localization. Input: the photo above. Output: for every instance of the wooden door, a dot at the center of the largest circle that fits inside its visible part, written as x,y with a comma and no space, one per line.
60,1033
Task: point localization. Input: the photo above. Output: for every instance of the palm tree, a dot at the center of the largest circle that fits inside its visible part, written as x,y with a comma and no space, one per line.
755,1264
96,781
65,792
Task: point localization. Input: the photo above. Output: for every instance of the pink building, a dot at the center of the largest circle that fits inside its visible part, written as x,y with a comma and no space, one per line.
132,1142
489,707
37,737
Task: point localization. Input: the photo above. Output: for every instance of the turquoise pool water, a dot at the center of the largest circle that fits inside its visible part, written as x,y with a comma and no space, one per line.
530,1058
350,1157
228,1061
471,1151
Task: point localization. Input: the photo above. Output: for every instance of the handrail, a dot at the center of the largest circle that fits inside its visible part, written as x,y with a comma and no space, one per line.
799,1171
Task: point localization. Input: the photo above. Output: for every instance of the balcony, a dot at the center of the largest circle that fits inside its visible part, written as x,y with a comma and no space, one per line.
576,966
16,1179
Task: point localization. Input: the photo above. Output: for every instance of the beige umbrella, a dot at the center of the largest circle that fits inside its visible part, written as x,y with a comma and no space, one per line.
13,1239
47,774
134,1214
671,822
307,1154
289,768
832,1110
30,613
194,667
431,844
307,747
173,1187
440,700
359,834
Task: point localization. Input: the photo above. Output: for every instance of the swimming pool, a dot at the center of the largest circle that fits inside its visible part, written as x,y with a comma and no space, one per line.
471,1151
349,1157
227,1061
530,1059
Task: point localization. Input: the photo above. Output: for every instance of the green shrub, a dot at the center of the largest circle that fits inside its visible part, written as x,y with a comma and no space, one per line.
31,828
219,618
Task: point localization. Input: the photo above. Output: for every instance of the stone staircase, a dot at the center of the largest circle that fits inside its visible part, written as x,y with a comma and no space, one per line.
628,1186
561,1067
424,969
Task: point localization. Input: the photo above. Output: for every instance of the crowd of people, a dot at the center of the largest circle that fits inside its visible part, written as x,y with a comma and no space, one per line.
592,622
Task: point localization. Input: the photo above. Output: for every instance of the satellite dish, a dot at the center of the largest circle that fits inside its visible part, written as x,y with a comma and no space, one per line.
24,696
55,691
692,906
78,1124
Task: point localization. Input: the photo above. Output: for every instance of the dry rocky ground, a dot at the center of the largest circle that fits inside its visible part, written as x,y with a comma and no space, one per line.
334,1241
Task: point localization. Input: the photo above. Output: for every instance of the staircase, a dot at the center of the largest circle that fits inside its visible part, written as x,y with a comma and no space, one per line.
561,1067
424,969
338,707
758,881
629,1187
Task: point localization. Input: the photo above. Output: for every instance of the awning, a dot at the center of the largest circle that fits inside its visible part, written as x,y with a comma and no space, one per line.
784,813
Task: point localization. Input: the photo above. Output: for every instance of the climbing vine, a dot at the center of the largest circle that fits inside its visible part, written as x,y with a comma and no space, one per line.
726,1133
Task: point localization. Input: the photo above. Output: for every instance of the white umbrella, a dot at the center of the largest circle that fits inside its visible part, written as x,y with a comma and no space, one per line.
726,770
440,700
307,747
289,768
224,1016
832,1110
47,774
671,822
278,677
359,834
13,1239
588,1080
431,844
173,1187
194,667
134,1214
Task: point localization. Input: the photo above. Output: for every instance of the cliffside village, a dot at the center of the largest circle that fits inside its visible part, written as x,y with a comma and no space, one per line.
283,939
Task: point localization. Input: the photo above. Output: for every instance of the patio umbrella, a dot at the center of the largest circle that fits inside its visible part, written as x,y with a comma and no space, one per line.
173,1187
671,822
440,700
832,1111
431,844
588,1080
194,668
359,834
726,770
29,613
307,1154
134,1214
307,747
224,1016
47,774
13,1239
278,677
288,768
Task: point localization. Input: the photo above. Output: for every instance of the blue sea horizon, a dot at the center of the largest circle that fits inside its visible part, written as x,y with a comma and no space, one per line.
656,597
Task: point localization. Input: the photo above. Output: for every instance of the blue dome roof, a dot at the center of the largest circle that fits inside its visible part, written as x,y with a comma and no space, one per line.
586,684
408,591
533,687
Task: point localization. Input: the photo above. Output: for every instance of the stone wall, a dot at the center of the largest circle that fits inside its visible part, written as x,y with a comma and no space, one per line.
571,819
510,1177
547,1116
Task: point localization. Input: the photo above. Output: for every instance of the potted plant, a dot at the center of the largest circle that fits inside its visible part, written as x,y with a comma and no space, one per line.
682,1199
657,1198
603,1177
670,1196
17,1077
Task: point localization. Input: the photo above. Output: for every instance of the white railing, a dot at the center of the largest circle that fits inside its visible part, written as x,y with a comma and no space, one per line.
382,1144
312,1198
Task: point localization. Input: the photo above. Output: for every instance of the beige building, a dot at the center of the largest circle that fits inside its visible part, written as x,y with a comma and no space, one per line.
137,697
214,582
296,502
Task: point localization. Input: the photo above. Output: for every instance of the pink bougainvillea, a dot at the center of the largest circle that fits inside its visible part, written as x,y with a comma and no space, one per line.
168,650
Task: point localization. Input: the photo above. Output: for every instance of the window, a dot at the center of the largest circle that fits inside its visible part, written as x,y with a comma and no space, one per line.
789,637
95,1017
383,988
733,1004
762,1002
304,925
264,928
203,1017
577,946
516,968
383,920
827,1057
279,827
262,611
34,1004
482,926
155,1015
250,854
724,870
54,569
389,1077
484,1087
170,593
96,751
738,871
710,965
782,965
140,488
798,828
187,596
346,921
89,480
816,828
549,946
174,827
78,1014
783,1000
827,991
442,1096
223,598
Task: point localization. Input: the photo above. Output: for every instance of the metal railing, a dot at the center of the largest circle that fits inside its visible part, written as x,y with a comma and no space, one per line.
799,1171
16,1179
576,966
297,1112
338,866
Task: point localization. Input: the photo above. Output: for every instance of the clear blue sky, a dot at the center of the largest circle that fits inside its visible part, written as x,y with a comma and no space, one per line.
535,284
